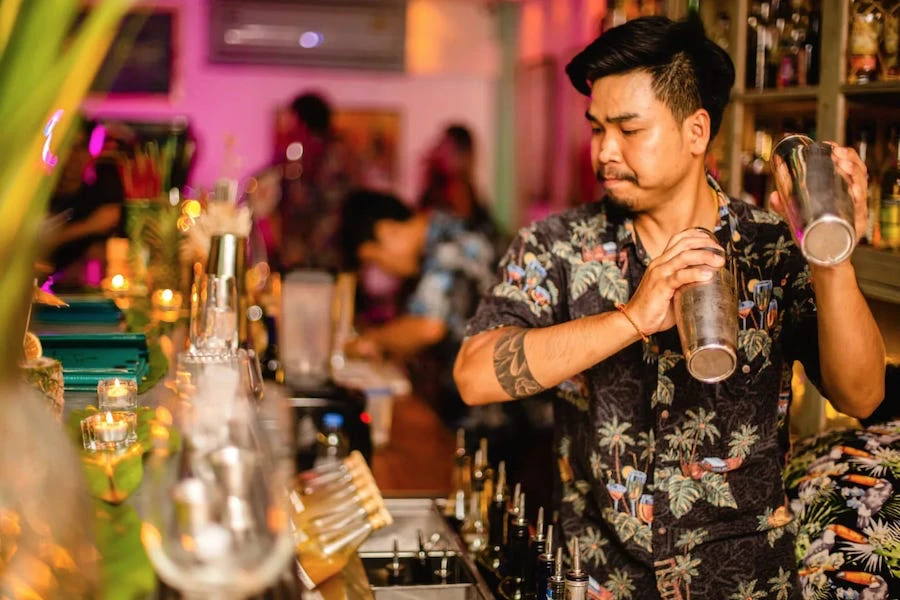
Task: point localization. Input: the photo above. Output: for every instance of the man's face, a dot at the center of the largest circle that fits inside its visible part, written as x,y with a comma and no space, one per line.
394,248
639,152
446,160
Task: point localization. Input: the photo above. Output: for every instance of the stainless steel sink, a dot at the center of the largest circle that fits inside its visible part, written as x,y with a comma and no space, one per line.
411,516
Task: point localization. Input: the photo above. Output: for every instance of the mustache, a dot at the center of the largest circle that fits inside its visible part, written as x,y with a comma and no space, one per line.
613,174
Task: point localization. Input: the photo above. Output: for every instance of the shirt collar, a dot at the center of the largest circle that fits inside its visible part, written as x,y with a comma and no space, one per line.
625,234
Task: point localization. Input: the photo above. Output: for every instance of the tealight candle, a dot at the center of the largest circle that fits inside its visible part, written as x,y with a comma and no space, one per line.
117,394
166,300
108,430
116,284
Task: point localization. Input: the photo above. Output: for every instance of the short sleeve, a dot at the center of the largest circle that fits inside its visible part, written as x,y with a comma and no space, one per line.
526,288
455,271
800,334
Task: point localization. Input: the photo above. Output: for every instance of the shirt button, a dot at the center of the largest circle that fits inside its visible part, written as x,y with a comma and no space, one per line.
745,369
664,414
662,531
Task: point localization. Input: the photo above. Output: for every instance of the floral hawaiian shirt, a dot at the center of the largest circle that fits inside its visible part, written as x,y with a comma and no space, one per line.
843,490
672,486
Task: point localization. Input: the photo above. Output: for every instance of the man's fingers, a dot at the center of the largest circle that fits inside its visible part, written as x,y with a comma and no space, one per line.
691,275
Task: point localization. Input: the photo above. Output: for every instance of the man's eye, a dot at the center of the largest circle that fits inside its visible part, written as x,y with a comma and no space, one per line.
596,130
630,131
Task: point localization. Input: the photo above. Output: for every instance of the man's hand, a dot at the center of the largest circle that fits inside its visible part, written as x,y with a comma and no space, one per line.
853,170
686,259
363,347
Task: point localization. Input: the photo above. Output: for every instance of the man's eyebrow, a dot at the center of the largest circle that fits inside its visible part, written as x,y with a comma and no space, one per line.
614,119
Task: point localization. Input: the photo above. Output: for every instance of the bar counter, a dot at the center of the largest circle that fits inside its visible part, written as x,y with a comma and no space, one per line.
410,475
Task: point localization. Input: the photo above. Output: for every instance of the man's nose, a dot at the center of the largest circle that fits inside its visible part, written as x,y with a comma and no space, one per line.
607,148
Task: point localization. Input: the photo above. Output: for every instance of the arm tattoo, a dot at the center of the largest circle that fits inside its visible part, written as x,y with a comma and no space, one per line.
511,365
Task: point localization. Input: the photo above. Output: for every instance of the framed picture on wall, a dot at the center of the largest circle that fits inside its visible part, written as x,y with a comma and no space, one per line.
373,137
369,136
535,105
144,57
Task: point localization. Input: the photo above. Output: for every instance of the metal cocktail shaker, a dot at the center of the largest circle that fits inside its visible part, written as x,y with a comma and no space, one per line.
228,259
706,314
816,198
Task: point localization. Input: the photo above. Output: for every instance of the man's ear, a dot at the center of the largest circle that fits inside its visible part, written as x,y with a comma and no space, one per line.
697,128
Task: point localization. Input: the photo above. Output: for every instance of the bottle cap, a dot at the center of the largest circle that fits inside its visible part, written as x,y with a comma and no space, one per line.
333,420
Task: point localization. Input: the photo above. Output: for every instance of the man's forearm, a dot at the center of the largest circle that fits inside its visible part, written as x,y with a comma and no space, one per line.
407,334
851,349
513,362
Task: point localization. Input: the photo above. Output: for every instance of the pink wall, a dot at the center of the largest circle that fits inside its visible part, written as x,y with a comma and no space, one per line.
450,76
557,30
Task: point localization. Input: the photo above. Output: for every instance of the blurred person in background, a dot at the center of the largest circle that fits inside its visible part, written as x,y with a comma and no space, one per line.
88,199
450,183
317,174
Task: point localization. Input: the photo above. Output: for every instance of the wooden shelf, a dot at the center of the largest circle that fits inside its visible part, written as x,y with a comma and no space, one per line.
877,88
791,94
878,273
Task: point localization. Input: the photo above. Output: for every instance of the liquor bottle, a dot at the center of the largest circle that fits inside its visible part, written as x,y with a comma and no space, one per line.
462,473
488,491
889,213
544,566
473,531
492,558
576,578
479,482
862,44
513,585
864,148
537,547
787,46
556,586
512,514
775,27
764,38
812,47
753,32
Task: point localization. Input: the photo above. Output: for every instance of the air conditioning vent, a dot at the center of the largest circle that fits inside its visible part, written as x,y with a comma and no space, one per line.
363,34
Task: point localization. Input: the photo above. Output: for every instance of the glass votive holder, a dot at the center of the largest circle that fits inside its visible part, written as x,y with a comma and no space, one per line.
117,394
110,430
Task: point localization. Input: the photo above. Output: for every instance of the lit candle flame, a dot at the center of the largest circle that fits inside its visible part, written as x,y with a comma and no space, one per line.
118,281
109,418
167,295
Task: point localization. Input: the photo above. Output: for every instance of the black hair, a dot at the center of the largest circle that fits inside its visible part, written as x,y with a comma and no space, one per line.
362,209
314,111
689,71
461,137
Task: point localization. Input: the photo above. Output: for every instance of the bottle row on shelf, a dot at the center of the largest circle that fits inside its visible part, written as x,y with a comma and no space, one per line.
784,41
783,44
873,42
516,560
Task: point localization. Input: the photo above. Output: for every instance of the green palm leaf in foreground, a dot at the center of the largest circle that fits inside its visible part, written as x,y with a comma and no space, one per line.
42,70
